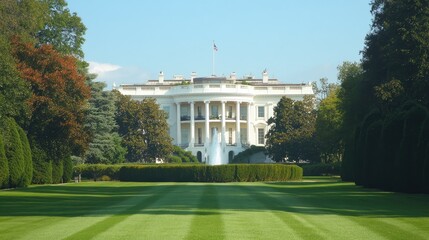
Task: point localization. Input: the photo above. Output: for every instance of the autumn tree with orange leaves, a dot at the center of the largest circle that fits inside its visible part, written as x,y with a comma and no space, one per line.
56,105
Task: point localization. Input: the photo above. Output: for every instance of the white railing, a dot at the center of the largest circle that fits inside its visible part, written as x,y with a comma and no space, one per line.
214,88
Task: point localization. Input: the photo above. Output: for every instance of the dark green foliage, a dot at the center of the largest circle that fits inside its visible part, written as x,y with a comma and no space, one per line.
57,171
244,156
181,156
105,146
321,169
4,166
328,128
144,129
42,166
67,169
291,135
204,173
97,171
14,153
28,160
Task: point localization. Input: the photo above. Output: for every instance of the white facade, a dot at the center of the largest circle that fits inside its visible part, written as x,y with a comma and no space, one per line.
238,108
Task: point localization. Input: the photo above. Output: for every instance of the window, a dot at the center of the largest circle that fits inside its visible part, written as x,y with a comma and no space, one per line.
243,112
229,112
200,141
261,111
243,135
261,137
215,113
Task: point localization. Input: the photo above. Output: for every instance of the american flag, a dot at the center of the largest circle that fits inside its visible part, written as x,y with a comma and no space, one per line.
214,47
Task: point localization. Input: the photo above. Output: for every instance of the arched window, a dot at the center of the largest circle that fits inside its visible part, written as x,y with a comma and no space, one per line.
230,156
199,156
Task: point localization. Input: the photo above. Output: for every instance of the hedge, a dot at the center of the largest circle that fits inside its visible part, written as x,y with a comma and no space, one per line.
4,167
28,160
14,154
204,173
97,171
321,169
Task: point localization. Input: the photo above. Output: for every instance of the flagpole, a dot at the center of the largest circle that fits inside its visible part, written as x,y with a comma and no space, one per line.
213,60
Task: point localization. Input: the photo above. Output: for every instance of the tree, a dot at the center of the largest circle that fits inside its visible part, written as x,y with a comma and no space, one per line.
328,128
395,57
28,160
57,104
22,18
105,146
14,153
63,29
144,128
4,166
324,90
291,135
13,90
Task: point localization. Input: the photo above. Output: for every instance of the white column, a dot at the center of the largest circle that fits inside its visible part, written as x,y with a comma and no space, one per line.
192,138
207,126
237,125
179,125
223,125
248,123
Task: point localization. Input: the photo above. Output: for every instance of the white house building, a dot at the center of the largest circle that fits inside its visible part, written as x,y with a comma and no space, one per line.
237,108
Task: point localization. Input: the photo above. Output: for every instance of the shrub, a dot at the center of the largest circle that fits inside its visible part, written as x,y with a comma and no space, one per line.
204,173
57,171
4,168
14,153
67,169
42,167
244,156
28,161
97,171
321,169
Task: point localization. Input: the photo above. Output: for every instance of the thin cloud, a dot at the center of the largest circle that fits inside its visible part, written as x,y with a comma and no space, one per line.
102,68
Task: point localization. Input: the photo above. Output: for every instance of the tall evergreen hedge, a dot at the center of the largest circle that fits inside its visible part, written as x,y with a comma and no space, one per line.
57,170
67,169
392,152
14,153
4,166
28,161
42,166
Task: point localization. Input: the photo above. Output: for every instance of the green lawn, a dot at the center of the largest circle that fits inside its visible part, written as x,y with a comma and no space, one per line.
317,208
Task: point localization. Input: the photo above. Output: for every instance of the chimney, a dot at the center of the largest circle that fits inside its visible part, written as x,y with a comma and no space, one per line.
233,76
265,76
161,77
193,75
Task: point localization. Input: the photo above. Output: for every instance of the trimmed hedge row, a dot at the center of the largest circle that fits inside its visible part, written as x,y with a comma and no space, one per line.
321,169
97,171
204,173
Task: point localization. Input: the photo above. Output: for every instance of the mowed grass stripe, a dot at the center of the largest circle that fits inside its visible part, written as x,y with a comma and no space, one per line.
168,218
207,222
135,204
104,200
247,218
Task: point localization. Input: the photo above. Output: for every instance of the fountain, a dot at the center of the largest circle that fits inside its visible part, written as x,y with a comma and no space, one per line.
215,151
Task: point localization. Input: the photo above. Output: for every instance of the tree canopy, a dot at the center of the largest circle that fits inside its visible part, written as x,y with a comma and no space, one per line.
291,135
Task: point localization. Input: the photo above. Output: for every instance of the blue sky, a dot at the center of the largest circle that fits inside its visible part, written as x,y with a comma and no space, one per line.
296,41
